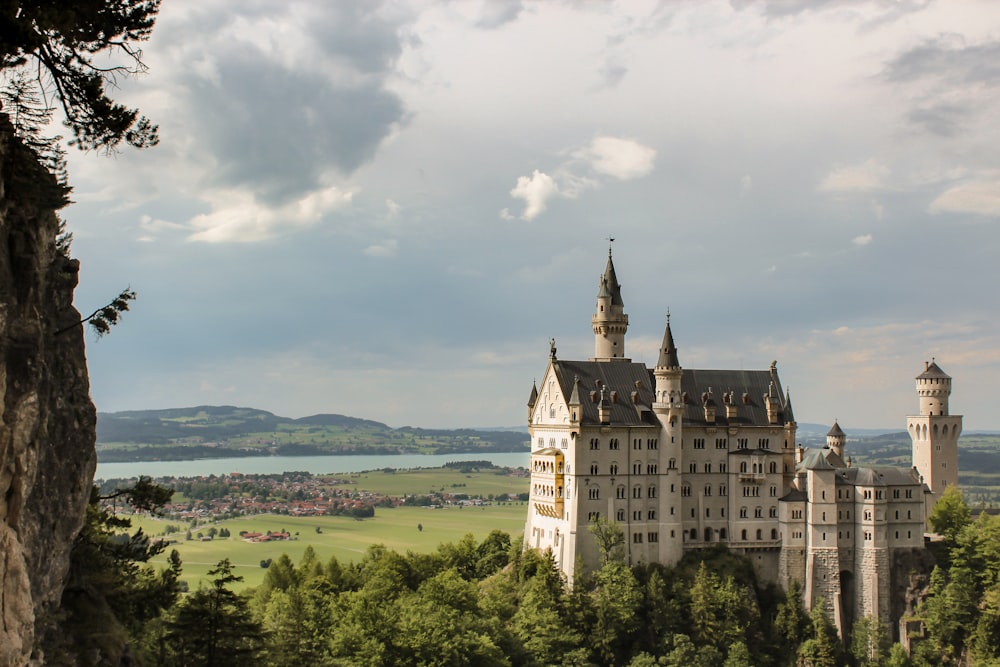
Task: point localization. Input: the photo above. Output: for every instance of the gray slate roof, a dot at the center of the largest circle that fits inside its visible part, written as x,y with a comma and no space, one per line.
624,378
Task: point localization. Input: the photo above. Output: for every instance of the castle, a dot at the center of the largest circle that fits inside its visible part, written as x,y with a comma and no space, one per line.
685,459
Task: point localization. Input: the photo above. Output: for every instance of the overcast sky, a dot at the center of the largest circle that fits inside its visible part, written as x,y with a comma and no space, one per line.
386,211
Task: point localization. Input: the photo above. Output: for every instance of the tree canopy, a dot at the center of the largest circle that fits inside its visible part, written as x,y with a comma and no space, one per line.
71,53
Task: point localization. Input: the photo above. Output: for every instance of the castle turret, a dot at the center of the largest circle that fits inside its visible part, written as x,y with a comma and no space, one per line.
609,321
835,439
934,432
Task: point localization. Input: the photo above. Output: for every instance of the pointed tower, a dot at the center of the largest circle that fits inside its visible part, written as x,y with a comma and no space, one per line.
835,439
934,432
667,375
609,321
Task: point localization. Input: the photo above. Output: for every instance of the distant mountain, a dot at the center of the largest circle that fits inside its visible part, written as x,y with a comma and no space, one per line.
210,431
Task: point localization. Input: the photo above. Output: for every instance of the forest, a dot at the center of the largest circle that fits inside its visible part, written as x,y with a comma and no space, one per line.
493,603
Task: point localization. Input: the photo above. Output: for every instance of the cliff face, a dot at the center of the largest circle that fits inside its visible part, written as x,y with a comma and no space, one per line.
47,420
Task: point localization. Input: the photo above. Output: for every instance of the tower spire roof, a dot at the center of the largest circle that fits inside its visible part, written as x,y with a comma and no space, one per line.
668,351
609,282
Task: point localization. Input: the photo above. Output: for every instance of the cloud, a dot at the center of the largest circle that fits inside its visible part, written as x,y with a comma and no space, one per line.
746,185
238,216
392,207
497,13
388,248
864,240
535,190
976,197
868,176
947,56
615,157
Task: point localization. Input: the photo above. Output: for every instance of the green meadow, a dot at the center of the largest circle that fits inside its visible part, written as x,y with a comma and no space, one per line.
419,529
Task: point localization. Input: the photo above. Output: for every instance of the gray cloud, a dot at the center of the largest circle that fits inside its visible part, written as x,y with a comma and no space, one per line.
942,119
947,57
496,13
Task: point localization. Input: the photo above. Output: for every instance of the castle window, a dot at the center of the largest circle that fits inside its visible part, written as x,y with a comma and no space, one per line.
897,515
636,443
742,443
620,492
637,468
686,490
692,513
693,467
708,512
652,492
764,443
699,443
722,533
613,444
541,443
774,491
758,512
614,468
722,512
621,515
672,464
743,534
637,491
652,444
722,467
909,514
721,443
595,443
637,515
773,512
897,534
594,493
774,533
671,511
723,490
743,512
708,534
708,489
593,469
593,516
743,466
708,467
651,515
564,444
773,467
653,537
651,469
694,533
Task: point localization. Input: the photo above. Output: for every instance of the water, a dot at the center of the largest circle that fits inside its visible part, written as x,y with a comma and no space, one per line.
318,465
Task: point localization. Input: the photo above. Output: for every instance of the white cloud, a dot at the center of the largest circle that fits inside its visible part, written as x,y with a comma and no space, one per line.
535,190
388,248
868,176
392,207
623,159
237,216
864,240
976,197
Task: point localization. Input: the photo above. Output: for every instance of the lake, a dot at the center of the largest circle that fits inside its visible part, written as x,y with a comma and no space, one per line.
318,465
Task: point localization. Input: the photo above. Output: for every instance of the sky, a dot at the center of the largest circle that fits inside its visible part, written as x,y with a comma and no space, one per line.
386,210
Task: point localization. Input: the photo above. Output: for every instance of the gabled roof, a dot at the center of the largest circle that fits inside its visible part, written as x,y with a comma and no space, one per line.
747,387
620,379
816,459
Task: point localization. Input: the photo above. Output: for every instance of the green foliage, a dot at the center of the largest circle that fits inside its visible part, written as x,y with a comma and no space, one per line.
950,514
610,539
56,45
213,627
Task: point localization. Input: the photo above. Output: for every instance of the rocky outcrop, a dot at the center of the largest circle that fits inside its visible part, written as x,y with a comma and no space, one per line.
47,420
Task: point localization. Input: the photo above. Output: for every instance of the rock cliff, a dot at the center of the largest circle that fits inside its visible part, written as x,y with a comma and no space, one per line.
47,420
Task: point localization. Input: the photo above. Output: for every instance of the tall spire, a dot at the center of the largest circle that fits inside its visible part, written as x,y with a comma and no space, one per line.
609,281
609,321
668,351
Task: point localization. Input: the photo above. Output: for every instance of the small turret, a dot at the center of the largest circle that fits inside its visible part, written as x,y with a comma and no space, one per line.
836,439
604,407
532,399
667,373
933,388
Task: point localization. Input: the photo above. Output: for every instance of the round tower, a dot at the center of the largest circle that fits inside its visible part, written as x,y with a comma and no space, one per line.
835,439
934,433
609,321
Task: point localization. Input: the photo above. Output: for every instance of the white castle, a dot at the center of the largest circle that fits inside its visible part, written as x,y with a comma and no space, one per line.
685,459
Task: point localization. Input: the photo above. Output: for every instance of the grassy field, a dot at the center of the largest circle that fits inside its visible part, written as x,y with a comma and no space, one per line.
410,482
343,537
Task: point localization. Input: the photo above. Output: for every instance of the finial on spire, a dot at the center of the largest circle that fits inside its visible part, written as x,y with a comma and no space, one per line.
552,348
611,239
668,316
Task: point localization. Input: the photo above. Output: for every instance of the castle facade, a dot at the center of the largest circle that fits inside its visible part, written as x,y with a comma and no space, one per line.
685,459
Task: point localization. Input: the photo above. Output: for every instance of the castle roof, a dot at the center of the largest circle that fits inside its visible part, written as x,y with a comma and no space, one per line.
932,370
836,431
609,284
668,351
816,459
629,388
